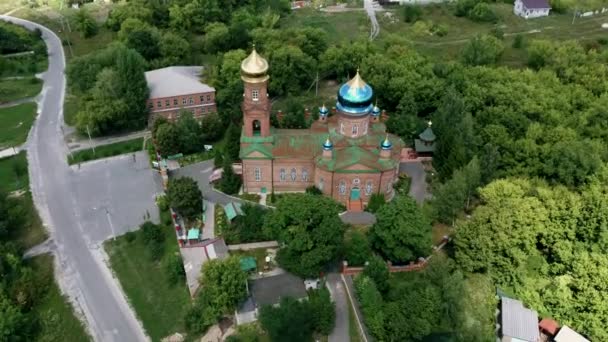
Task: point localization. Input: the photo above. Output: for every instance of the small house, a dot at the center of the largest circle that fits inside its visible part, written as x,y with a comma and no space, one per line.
425,145
566,334
232,210
531,8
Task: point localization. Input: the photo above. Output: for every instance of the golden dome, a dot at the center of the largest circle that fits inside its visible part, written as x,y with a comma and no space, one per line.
254,65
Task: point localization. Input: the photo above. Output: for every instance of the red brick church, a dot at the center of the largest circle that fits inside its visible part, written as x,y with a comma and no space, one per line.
348,155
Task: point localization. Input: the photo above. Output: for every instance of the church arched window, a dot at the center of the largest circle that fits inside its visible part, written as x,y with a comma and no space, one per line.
282,175
258,174
294,174
255,95
365,127
341,127
304,175
321,183
355,130
342,187
369,187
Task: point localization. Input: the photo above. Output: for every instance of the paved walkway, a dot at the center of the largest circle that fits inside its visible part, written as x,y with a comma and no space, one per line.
418,188
350,291
47,246
209,229
11,151
17,102
358,218
77,144
338,295
254,245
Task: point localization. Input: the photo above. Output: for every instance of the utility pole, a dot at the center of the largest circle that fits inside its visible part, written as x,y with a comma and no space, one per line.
90,140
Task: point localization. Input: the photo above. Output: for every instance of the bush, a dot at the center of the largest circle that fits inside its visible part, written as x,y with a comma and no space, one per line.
174,268
358,249
498,32
411,13
130,236
602,41
421,29
375,202
377,270
482,12
153,237
518,41
313,190
371,306
439,30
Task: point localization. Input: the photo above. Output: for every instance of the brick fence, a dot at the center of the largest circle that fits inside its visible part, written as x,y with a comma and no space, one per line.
413,266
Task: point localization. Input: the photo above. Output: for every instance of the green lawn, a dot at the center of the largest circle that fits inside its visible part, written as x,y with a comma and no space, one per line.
15,123
105,151
56,316
159,305
70,109
15,89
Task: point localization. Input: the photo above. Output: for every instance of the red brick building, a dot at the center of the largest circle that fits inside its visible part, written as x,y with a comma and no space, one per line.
178,88
348,156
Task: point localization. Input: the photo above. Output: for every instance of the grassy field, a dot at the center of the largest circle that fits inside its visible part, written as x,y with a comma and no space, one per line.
461,30
57,319
13,173
340,27
159,305
15,89
15,123
70,109
105,151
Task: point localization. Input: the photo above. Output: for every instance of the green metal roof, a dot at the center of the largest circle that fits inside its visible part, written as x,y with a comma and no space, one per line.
194,234
421,146
232,210
248,263
255,148
428,135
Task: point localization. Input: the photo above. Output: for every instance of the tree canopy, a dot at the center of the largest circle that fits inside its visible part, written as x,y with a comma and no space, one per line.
310,229
185,197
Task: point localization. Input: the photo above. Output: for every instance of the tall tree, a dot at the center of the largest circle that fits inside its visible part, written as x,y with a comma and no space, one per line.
401,232
185,197
310,229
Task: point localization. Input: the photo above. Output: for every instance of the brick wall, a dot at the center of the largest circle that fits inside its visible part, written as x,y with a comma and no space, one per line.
200,104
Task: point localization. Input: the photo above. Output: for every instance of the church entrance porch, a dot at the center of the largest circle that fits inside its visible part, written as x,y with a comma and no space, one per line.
355,194
354,203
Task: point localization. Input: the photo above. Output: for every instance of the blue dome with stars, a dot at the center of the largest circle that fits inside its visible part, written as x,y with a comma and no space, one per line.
386,144
355,97
327,145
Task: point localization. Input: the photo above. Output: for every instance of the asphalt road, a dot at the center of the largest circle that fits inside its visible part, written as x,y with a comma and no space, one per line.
415,170
201,172
80,269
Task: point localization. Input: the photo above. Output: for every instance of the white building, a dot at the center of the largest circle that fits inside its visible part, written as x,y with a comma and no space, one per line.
531,8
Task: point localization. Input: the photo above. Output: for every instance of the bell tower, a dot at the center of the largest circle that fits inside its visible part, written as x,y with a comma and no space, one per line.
256,106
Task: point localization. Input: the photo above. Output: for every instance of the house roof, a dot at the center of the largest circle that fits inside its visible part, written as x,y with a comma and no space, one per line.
536,4
248,263
518,321
194,233
421,146
270,290
566,334
549,325
217,249
176,81
232,210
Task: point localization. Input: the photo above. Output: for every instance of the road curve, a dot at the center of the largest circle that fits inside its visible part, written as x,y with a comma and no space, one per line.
80,267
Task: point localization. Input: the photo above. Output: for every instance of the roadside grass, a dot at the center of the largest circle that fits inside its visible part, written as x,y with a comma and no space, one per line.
56,316
15,123
15,89
70,109
159,305
13,173
14,178
105,151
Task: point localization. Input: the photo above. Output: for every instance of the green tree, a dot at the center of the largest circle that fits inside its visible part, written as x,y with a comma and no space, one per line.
212,128
174,49
322,309
291,320
230,182
401,232
292,70
372,306
376,201
411,13
377,270
294,115
190,133
310,229
357,248
247,227
185,197
12,321
225,77
85,23
225,282
128,10
455,194
216,37
483,12
482,50
233,142
167,139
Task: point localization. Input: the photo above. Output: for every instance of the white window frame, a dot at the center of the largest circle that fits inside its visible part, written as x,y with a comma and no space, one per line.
355,130
257,173
341,127
184,101
321,183
304,175
369,187
282,175
365,128
342,187
255,95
